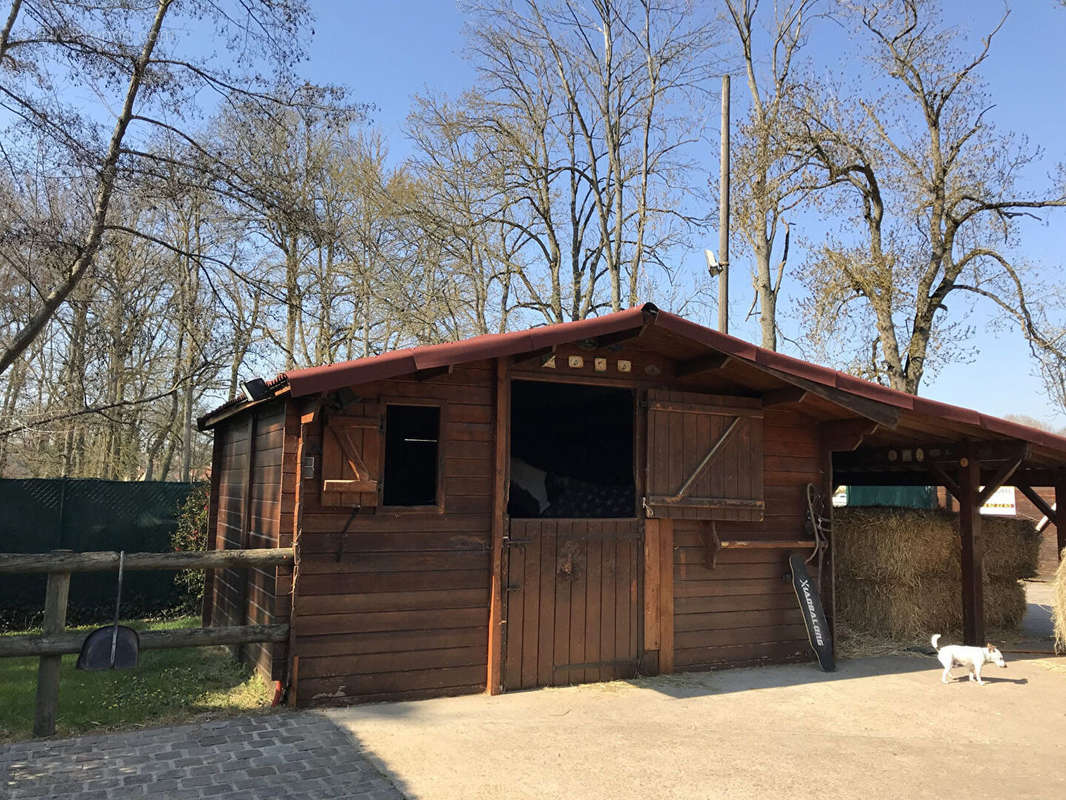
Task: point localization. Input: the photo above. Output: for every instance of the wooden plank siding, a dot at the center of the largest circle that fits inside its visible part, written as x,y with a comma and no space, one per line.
393,604
743,611
255,500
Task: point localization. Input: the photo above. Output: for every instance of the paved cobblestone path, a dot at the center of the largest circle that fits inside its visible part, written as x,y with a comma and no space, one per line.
276,756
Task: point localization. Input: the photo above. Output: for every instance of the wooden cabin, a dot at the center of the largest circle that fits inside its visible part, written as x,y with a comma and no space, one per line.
578,502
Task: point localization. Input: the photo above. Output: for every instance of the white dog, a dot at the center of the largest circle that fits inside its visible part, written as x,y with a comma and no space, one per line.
962,656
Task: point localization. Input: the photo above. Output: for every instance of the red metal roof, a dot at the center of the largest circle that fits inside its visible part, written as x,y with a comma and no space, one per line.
313,380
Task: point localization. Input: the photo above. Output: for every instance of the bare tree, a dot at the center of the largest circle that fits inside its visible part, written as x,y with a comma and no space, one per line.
932,182
770,181
582,112
130,54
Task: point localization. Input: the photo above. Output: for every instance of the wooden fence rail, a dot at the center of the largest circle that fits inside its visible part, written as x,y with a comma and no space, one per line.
107,561
59,644
54,642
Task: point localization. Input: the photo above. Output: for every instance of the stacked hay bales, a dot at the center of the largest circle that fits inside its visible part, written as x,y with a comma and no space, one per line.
899,571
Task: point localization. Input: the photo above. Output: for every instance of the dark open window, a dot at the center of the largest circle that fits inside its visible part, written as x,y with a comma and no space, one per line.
571,451
412,435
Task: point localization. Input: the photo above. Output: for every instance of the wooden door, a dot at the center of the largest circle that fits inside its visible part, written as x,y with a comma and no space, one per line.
573,601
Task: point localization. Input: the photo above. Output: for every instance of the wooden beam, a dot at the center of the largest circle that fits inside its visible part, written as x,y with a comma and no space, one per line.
612,339
433,372
55,620
666,596
58,644
881,413
538,357
1039,502
1003,475
784,397
767,544
652,584
973,615
501,465
830,435
695,366
105,561
1060,530
845,435
945,480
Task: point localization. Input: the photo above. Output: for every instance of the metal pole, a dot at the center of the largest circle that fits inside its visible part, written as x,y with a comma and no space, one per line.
723,216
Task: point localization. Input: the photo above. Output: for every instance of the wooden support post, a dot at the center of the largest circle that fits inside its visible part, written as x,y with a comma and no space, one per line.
666,596
652,586
1060,498
973,616
55,620
497,620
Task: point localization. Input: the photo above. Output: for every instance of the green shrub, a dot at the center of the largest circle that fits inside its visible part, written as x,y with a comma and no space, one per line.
191,535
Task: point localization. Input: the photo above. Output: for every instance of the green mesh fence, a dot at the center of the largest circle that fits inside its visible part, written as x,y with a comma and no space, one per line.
39,515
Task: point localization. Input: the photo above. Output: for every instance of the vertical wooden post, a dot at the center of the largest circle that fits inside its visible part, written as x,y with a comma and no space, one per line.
973,616
1060,515
497,622
827,589
666,596
55,620
652,585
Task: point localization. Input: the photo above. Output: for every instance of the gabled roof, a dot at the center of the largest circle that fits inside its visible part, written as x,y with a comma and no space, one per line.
315,380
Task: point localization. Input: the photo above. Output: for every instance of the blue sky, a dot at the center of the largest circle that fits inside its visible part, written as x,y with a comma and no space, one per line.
387,52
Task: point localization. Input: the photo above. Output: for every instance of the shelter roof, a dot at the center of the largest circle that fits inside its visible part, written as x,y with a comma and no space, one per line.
906,415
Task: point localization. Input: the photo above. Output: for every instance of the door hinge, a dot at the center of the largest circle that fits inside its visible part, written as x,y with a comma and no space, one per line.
508,541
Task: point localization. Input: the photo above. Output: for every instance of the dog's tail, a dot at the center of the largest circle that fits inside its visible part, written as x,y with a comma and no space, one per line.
934,640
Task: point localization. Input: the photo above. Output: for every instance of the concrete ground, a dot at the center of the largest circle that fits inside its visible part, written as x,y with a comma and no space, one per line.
878,727
883,726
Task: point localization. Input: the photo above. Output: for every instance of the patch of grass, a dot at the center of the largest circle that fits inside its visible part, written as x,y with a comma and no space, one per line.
167,687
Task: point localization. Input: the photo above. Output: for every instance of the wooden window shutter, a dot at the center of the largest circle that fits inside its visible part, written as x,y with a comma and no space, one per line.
351,457
705,457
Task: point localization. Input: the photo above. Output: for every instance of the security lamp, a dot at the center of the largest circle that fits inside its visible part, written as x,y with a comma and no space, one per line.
255,389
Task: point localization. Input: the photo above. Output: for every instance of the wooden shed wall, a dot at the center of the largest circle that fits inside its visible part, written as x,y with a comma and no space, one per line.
742,611
398,606
256,498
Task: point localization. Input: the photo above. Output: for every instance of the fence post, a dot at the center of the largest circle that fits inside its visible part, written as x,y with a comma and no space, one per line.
55,620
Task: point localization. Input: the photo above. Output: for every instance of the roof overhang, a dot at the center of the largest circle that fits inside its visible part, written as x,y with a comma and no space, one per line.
898,416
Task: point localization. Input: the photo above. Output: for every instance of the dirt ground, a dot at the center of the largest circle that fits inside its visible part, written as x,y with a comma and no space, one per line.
877,726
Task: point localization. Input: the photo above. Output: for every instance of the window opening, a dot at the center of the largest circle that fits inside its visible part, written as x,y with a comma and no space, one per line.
571,451
412,442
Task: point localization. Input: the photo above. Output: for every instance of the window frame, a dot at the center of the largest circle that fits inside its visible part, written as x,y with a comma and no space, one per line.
442,406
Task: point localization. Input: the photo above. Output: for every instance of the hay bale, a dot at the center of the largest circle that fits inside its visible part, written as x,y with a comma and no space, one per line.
899,571
900,543
1012,547
1058,608
923,606
893,543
